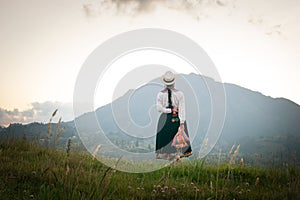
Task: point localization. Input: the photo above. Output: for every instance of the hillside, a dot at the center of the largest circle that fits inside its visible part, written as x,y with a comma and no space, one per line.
29,171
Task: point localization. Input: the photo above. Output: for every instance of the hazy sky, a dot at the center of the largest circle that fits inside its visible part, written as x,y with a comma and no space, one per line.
253,43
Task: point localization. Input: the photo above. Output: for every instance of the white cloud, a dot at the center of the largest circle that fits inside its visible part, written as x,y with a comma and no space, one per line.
40,112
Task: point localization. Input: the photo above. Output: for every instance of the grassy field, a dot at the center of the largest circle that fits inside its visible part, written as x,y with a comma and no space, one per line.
29,171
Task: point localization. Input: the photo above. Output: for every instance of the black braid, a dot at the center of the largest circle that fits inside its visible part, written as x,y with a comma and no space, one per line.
170,98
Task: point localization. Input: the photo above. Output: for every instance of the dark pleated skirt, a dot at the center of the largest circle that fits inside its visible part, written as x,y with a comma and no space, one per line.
166,130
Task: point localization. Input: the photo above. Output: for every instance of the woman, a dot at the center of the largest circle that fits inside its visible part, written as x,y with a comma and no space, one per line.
170,102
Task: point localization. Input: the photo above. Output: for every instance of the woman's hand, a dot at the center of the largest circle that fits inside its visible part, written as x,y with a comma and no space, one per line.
174,109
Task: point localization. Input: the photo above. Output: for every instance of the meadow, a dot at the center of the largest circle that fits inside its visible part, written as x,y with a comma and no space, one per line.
31,171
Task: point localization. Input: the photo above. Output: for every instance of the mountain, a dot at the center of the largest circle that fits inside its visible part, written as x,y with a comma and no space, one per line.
262,125
266,128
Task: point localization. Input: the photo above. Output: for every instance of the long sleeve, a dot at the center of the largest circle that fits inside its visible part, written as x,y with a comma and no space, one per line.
159,104
181,108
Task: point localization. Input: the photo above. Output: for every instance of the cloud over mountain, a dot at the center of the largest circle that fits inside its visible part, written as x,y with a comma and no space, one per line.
37,112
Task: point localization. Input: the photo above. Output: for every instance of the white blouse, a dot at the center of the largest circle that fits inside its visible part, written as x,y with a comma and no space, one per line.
177,101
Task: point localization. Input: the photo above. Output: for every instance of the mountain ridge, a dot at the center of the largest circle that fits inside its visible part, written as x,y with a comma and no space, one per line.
258,122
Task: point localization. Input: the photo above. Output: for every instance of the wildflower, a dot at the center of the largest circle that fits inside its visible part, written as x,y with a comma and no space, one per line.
174,189
166,188
241,162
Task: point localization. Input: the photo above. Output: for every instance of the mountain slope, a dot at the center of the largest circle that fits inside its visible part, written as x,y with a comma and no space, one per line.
259,123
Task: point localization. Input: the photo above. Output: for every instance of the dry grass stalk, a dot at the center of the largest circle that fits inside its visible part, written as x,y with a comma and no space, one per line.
58,131
67,168
230,151
96,151
206,142
58,134
257,181
49,133
211,187
116,164
108,175
58,124
234,155
54,113
69,146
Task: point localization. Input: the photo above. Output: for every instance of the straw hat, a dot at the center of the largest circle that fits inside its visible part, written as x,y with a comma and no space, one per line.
168,78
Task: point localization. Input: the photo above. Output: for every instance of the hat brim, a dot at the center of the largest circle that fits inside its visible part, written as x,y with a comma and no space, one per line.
168,82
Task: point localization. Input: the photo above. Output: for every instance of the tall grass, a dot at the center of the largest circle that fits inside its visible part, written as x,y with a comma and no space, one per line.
29,171
59,131
49,132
